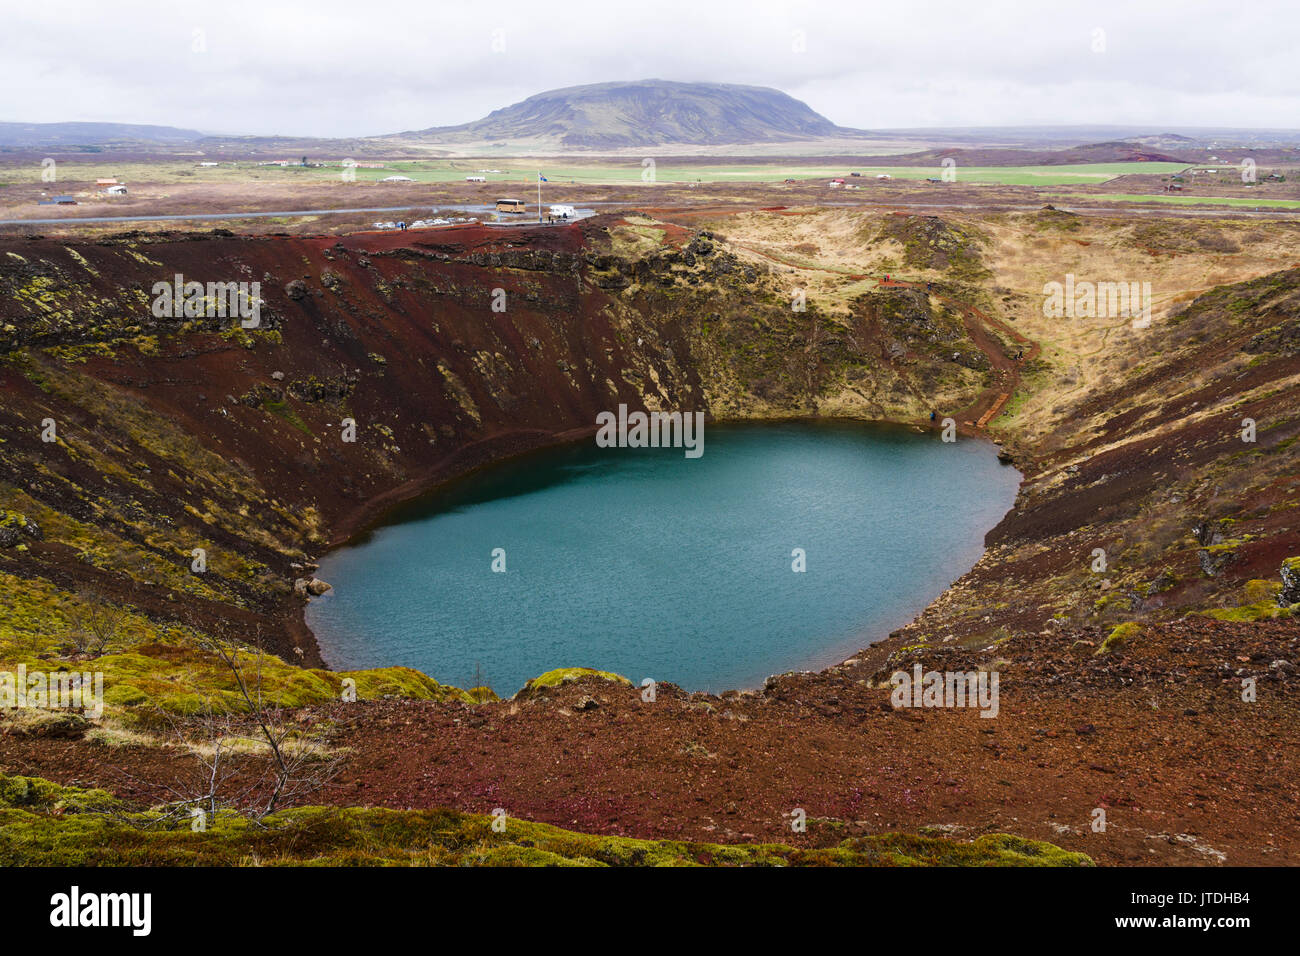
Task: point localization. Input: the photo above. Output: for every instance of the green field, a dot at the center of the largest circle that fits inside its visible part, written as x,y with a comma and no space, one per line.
82,172
1185,200
668,173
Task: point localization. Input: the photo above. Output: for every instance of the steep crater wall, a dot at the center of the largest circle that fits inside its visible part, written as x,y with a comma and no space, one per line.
447,351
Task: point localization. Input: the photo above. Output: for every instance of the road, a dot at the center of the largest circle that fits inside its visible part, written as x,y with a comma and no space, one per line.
217,216
1218,212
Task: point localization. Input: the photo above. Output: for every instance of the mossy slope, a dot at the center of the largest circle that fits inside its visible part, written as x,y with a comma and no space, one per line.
43,824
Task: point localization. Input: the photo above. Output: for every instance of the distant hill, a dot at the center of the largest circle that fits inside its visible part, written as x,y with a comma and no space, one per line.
1180,138
34,135
1115,152
646,113
1119,152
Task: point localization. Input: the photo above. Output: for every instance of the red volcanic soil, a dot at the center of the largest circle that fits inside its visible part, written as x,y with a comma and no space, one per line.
462,239
1155,734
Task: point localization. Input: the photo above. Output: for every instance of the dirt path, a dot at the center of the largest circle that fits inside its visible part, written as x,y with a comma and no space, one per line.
1006,368
977,323
843,274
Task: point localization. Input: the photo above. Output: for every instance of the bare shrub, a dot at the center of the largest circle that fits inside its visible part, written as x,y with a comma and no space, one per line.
96,624
250,759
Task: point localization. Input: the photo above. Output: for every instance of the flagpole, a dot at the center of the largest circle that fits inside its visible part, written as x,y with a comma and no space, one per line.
539,196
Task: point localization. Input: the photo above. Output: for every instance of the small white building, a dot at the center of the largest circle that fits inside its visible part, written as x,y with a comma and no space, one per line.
562,212
118,190
475,179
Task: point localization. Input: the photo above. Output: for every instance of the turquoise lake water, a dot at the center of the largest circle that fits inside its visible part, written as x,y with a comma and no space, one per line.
649,564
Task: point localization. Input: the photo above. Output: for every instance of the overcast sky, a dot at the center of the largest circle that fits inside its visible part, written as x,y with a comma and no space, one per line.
348,67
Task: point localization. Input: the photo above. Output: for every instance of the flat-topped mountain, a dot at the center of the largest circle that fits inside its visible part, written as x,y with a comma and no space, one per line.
647,113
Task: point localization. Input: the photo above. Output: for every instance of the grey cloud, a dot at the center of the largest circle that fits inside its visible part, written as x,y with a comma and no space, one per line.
348,68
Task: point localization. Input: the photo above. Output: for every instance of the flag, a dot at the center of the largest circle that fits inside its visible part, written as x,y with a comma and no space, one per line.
542,179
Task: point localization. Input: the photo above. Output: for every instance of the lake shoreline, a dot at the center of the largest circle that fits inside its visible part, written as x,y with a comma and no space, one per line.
405,504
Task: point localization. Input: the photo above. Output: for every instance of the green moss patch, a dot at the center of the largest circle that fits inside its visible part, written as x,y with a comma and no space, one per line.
567,675
187,680
43,824
1260,611
1122,634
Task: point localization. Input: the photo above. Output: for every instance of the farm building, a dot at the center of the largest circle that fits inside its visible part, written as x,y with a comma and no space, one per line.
101,183
118,190
512,205
397,179
475,179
